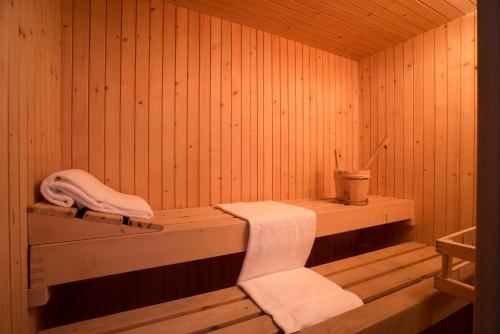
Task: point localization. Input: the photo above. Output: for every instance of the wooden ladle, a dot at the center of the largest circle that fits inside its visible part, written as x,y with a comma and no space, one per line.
382,144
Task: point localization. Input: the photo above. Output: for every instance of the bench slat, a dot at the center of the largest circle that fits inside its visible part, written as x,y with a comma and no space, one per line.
262,325
203,321
377,287
368,294
190,305
414,270
383,267
363,259
145,315
412,309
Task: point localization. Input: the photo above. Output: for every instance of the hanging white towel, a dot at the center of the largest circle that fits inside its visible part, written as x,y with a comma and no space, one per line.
281,236
273,274
74,186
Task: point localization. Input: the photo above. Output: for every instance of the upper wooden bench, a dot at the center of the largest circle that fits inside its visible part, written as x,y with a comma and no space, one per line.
66,249
395,284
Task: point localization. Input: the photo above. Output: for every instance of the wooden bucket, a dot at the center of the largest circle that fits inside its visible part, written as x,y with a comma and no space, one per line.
352,186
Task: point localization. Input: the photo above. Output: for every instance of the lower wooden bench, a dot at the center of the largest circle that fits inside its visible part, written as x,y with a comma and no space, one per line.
395,284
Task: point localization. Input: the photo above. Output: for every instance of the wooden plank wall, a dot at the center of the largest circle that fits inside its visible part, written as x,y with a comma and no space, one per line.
186,109
30,138
422,94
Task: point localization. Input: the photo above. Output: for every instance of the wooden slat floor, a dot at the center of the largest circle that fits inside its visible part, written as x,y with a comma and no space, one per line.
371,276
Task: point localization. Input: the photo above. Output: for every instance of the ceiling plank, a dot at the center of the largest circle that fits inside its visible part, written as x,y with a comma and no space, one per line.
444,8
465,6
350,28
425,11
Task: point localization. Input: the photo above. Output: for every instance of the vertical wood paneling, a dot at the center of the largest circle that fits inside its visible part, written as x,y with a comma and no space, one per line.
306,121
276,116
398,140
267,118
127,97
215,110
467,121
235,107
181,105
155,103
390,122
313,114
80,69
299,108
374,119
441,130
112,96
97,75
186,110
204,138
246,119
453,137
30,122
327,171
284,118
418,132
430,115
226,161
193,109
254,118
141,100
429,138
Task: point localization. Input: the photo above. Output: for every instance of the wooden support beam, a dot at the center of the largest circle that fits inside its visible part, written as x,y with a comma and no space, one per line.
38,296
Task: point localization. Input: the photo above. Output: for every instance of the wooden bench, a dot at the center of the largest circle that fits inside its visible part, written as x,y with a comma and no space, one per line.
64,248
395,283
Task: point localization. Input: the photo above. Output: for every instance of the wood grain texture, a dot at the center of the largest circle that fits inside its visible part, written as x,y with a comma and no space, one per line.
354,29
431,117
205,110
30,122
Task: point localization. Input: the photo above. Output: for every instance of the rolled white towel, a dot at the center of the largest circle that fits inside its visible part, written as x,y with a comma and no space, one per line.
75,186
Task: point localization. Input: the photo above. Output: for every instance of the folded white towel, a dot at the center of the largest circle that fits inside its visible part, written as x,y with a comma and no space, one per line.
299,298
273,274
67,187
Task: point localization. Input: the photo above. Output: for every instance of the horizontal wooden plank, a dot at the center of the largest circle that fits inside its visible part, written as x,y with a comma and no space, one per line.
43,229
411,309
205,320
455,288
411,272
124,320
189,241
455,249
218,310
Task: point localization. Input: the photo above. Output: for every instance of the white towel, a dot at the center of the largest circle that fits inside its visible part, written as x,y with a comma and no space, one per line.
299,298
273,274
281,236
67,187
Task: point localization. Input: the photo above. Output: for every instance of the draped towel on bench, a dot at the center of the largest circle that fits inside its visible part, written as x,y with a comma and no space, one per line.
273,274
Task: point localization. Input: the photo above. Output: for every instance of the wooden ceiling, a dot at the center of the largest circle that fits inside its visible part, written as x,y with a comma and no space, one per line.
351,28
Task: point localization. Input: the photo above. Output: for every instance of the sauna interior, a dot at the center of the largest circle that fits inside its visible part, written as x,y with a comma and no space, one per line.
271,109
